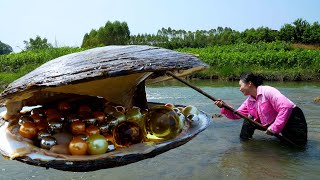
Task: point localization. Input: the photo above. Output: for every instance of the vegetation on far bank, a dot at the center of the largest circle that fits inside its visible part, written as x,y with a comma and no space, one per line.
276,61
15,65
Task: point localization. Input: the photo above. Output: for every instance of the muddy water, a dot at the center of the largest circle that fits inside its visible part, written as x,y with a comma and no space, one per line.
217,152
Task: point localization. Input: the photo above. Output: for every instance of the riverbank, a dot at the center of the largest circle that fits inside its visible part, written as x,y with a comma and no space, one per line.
16,65
275,61
232,74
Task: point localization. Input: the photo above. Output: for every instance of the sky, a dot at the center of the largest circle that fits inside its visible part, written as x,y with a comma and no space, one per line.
65,22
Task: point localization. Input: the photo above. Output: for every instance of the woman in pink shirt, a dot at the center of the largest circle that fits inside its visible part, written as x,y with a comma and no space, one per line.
267,106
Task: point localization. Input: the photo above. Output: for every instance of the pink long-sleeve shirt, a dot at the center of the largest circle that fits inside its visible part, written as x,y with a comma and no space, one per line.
270,106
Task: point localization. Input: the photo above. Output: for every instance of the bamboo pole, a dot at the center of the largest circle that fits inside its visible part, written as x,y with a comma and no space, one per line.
230,108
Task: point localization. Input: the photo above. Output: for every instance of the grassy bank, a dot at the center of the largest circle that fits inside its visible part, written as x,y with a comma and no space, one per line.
15,65
276,61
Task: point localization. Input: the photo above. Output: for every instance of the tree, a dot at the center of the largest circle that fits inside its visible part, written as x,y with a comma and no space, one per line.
124,33
300,26
287,33
115,33
37,43
101,35
85,40
312,34
5,48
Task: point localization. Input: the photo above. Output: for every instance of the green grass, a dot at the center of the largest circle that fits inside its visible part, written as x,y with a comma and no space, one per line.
16,65
276,61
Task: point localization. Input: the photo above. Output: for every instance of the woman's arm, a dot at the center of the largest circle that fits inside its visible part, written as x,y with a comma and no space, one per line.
242,109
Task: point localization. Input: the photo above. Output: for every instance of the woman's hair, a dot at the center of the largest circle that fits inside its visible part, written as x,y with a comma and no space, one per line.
249,76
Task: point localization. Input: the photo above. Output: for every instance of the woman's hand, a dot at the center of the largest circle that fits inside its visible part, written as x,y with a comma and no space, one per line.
269,132
219,103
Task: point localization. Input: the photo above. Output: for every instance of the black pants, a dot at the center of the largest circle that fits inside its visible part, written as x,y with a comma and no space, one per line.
295,129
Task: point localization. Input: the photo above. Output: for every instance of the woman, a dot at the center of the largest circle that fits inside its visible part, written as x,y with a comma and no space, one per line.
267,106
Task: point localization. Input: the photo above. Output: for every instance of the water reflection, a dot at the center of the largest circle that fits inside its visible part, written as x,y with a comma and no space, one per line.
263,157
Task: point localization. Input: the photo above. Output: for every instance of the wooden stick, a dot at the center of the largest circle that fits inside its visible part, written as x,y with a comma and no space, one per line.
230,108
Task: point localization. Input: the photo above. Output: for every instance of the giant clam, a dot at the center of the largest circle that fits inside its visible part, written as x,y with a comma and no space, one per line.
111,74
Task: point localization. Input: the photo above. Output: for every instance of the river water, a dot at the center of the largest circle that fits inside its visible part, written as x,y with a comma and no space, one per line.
217,152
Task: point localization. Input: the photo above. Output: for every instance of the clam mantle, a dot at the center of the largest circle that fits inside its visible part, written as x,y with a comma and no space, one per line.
115,73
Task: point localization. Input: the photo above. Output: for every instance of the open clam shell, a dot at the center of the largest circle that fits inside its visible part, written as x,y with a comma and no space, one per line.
115,73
